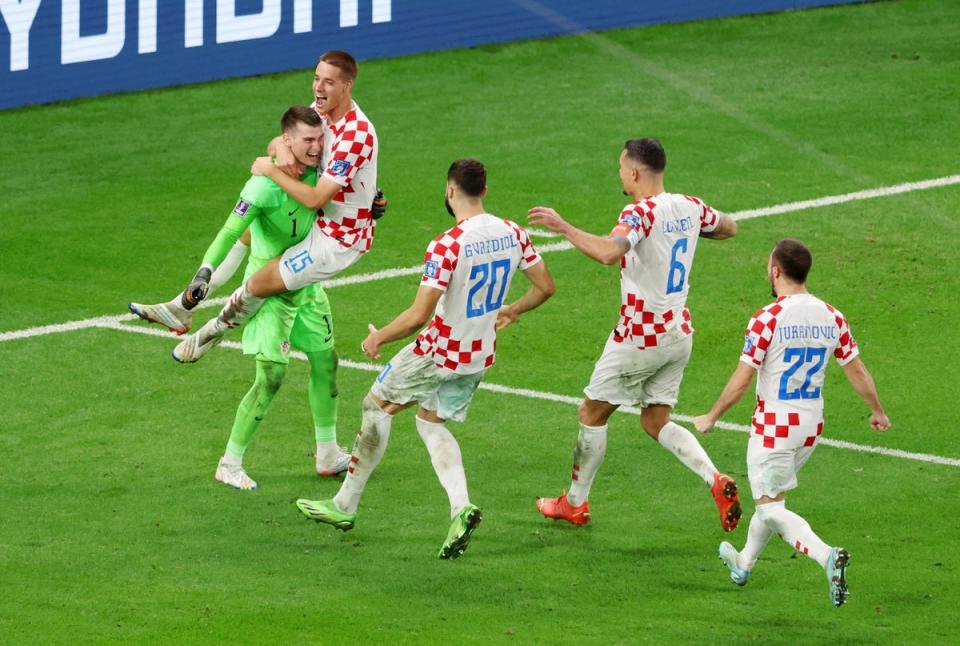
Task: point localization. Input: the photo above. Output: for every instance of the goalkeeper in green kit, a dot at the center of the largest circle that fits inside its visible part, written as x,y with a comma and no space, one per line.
300,319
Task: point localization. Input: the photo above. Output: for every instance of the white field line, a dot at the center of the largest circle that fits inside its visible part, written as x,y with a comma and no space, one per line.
112,323
115,322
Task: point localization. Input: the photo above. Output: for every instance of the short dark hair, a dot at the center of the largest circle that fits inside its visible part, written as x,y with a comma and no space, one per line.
648,152
342,60
470,175
299,114
794,259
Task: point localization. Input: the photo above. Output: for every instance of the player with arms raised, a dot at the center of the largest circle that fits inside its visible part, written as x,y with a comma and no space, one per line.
787,345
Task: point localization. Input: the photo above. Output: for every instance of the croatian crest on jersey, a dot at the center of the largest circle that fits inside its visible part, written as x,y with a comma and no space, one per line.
633,220
340,167
241,208
284,347
431,269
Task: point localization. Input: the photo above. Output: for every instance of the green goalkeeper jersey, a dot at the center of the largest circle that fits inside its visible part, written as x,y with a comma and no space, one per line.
277,221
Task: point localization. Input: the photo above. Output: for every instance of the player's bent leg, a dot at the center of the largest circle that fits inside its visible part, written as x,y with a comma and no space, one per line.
368,449
446,458
267,281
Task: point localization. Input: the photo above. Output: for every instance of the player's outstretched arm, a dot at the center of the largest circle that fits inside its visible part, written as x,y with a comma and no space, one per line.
541,288
406,323
732,393
312,197
605,249
726,228
862,381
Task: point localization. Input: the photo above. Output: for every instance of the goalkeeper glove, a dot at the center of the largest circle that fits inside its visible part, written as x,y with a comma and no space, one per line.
196,291
379,207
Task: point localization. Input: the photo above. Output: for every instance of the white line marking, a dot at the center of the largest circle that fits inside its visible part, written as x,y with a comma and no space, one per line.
112,323
847,197
115,322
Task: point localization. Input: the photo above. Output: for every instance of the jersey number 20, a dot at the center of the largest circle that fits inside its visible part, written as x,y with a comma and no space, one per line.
801,356
494,275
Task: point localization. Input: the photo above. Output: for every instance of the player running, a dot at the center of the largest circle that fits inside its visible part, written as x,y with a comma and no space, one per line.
787,344
344,191
302,319
466,276
643,360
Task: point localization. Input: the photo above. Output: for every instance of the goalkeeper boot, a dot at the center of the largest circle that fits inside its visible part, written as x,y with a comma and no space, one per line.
326,511
836,575
234,476
724,492
192,348
729,554
328,468
561,509
171,314
461,528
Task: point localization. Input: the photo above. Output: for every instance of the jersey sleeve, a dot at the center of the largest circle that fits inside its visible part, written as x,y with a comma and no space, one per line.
758,336
440,261
350,152
529,254
709,219
237,222
635,223
846,350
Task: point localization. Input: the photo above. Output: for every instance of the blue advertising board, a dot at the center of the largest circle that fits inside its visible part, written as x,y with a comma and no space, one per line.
59,49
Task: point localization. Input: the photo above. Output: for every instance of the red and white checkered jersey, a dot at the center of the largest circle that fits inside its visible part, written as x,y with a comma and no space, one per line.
350,149
789,342
655,274
473,264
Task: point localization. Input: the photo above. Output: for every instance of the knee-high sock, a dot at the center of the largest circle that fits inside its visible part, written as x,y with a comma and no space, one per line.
794,530
323,400
587,458
447,462
240,307
684,445
368,448
253,407
226,269
757,536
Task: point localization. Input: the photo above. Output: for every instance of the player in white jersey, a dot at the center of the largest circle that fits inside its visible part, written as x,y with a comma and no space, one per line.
344,229
788,344
467,274
654,242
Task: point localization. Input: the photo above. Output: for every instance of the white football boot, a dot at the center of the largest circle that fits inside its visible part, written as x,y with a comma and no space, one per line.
196,345
170,314
328,468
234,476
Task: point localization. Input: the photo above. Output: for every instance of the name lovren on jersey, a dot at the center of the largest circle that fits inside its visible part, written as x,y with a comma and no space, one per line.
686,224
489,246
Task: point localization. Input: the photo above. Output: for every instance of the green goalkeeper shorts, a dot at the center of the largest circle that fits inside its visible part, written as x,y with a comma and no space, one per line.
300,320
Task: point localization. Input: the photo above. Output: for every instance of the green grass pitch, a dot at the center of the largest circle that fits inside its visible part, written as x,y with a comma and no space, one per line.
112,528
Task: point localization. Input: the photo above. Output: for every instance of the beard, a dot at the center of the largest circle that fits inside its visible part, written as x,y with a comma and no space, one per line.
446,203
773,290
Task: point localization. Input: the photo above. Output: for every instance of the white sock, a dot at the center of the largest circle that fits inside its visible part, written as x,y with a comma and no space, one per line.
232,459
240,307
587,458
447,462
757,536
368,448
228,267
794,530
684,445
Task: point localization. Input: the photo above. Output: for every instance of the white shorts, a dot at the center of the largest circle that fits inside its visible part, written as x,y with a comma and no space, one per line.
774,471
315,258
625,375
410,377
